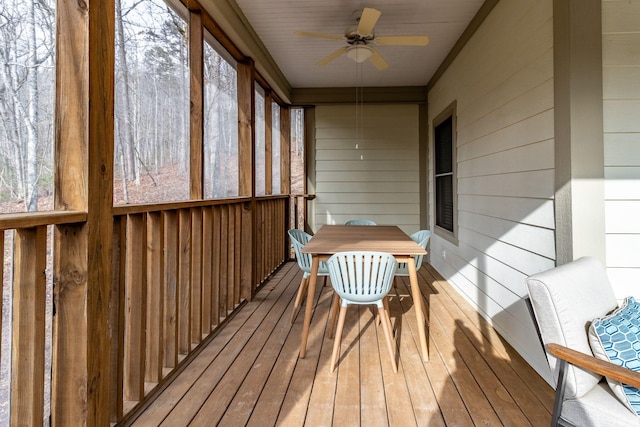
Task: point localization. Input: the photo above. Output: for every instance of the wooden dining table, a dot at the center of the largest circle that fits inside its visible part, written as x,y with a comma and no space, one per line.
331,239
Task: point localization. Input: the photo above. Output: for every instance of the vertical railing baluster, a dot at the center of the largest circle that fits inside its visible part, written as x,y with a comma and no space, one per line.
196,275
136,302
170,283
29,298
207,279
155,298
184,289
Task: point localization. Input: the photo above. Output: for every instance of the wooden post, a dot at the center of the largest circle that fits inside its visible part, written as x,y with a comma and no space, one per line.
268,142
246,113
197,103
84,182
245,126
285,150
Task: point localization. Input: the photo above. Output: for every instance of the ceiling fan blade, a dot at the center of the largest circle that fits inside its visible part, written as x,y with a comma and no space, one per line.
334,55
319,35
367,21
378,61
402,40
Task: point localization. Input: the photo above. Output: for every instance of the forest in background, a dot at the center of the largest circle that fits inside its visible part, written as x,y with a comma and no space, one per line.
151,144
151,134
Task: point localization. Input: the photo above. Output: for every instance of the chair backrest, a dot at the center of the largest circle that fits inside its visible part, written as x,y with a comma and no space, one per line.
298,239
565,300
361,277
360,222
421,238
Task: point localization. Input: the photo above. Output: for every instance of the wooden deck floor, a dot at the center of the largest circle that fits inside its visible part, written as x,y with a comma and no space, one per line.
250,374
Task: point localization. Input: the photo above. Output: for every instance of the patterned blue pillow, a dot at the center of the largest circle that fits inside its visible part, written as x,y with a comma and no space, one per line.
616,338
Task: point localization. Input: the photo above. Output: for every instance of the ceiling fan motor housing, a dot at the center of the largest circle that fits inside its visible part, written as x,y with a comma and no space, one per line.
353,37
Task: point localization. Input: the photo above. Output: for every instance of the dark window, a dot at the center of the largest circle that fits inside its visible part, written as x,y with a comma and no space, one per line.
444,179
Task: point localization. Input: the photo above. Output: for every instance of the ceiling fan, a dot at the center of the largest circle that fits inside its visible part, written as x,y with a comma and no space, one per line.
360,37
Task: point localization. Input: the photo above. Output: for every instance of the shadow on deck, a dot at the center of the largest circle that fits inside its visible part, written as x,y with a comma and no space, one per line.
250,374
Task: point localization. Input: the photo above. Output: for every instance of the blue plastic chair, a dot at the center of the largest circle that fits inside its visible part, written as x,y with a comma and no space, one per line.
298,239
360,222
421,238
362,278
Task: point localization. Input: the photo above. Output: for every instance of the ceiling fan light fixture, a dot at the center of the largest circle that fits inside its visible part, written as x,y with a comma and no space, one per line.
359,53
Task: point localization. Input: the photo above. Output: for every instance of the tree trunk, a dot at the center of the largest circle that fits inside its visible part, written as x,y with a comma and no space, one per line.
31,195
127,125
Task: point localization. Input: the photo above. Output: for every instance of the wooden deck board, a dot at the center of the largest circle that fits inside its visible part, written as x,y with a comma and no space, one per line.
321,401
250,374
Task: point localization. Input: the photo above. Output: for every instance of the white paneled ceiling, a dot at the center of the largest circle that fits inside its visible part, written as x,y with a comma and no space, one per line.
275,21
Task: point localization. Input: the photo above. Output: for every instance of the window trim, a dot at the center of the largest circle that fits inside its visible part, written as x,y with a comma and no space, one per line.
448,112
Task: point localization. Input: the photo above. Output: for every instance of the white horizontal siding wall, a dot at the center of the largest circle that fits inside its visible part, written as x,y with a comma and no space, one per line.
369,171
621,87
502,83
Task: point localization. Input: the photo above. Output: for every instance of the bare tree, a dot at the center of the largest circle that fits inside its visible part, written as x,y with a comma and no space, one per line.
26,75
126,124
152,103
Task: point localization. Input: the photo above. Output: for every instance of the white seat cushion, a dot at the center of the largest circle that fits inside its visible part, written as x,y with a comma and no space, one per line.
599,407
565,300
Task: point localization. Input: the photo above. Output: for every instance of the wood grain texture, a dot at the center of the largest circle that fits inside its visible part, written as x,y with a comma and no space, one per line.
27,350
170,284
252,375
195,279
268,142
184,288
84,182
155,298
136,311
285,150
246,112
196,96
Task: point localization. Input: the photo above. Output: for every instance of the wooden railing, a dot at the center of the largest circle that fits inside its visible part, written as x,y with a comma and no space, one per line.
179,271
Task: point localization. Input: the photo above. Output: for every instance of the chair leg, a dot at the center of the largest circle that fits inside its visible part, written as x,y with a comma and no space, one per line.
335,307
386,325
385,303
336,344
302,292
560,387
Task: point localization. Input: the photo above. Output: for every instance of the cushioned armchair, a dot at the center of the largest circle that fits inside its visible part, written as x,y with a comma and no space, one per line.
569,302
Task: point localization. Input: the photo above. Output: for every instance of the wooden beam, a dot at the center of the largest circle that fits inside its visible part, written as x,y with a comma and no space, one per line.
247,162
84,182
246,112
268,142
285,150
34,219
197,104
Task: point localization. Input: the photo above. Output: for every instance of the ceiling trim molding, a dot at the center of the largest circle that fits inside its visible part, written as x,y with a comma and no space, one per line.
471,29
369,95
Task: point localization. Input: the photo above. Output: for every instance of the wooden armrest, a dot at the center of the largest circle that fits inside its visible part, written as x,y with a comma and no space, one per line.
593,364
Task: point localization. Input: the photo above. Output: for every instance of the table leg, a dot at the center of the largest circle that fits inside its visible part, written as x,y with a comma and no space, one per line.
311,291
416,295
